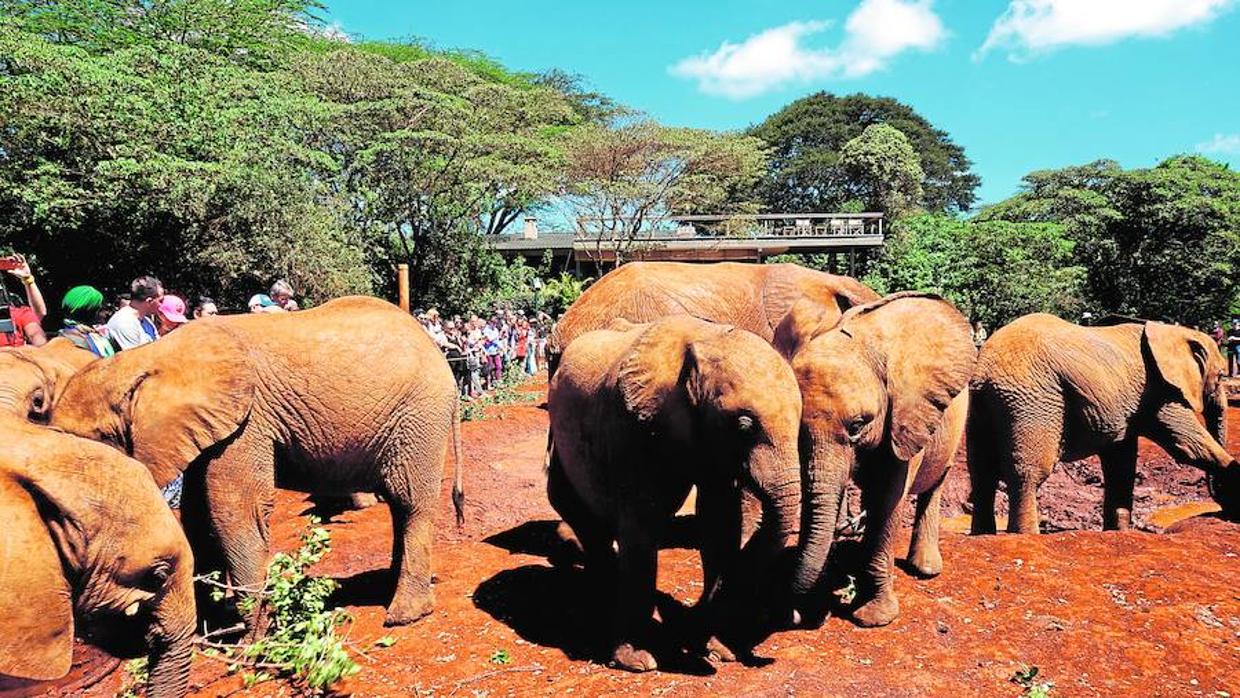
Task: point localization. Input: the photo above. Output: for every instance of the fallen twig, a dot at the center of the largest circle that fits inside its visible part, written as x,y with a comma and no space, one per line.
494,672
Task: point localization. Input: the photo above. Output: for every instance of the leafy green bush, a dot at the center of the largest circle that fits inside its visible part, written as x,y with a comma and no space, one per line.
302,642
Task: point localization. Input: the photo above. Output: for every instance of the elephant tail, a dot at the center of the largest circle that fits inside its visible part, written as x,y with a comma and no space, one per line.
458,489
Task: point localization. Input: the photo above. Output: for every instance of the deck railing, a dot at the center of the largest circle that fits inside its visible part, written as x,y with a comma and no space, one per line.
757,226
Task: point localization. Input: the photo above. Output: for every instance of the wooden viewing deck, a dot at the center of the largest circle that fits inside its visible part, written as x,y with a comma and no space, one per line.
702,238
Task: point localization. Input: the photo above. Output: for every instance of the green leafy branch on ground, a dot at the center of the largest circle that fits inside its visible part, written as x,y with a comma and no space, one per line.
1027,679
303,642
505,393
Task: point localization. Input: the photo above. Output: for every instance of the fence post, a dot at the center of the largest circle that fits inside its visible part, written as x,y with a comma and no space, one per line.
402,285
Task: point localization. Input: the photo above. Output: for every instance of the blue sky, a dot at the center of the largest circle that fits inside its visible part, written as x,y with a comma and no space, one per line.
1021,84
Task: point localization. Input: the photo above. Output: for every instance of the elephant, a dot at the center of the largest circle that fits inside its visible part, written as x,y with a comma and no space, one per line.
885,402
350,396
753,297
642,413
1047,390
87,534
31,377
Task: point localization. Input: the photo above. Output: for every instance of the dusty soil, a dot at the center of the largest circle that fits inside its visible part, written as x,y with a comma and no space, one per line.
1136,613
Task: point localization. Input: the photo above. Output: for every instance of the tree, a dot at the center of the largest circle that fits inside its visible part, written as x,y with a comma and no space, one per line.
883,169
622,180
806,139
1161,243
993,271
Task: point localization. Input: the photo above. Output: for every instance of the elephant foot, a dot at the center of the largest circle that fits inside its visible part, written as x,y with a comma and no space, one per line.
412,612
630,658
716,650
926,563
878,611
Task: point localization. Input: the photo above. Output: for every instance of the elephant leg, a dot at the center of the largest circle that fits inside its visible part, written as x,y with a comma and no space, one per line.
1032,462
983,475
923,552
410,479
719,520
637,567
587,534
1119,475
882,499
240,495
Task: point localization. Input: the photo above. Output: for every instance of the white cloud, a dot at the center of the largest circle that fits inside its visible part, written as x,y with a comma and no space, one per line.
875,32
1221,144
1034,26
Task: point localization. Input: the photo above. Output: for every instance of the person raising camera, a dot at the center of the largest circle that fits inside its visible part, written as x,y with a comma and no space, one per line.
19,324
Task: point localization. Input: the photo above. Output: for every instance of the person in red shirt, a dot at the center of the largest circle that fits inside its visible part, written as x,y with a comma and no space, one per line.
19,324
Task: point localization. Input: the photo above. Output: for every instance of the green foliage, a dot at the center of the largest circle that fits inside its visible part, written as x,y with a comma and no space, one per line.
302,641
884,169
220,144
1027,679
137,674
385,641
559,293
1160,243
808,136
500,657
994,271
623,178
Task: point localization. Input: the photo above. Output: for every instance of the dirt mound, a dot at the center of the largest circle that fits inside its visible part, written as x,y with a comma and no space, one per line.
1129,613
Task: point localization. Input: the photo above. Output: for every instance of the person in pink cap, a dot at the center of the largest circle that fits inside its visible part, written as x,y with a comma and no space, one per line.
171,313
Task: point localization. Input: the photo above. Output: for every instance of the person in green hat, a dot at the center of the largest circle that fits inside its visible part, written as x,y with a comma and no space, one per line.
79,307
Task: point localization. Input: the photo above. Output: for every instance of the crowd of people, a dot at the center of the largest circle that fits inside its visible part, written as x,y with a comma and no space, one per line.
481,350
133,319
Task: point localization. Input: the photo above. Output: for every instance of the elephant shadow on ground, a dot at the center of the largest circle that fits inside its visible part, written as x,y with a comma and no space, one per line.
539,537
560,606
369,588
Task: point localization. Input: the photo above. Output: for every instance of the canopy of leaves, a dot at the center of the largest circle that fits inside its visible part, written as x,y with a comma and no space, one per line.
993,271
808,136
622,179
1160,243
220,144
884,169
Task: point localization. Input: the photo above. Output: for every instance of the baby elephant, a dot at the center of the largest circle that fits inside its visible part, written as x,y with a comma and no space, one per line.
642,413
1046,391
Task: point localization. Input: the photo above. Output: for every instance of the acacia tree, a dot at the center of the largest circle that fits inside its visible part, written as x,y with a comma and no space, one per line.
625,179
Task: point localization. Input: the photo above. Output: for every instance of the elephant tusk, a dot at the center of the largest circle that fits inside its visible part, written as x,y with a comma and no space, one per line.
132,609
796,618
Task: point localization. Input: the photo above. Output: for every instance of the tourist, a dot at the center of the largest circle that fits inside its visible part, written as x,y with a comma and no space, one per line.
171,314
979,334
20,324
80,308
1233,347
133,325
1217,333
281,294
205,308
18,266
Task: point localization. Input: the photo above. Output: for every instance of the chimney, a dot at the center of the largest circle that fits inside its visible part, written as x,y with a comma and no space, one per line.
529,231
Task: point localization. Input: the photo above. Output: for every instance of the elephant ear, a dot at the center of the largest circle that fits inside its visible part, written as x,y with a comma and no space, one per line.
926,350
805,320
195,392
35,608
658,364
786,284
1181,359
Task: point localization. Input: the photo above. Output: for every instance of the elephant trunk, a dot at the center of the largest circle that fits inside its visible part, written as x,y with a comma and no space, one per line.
1179,432
776,474
824,478
1216,413
171,639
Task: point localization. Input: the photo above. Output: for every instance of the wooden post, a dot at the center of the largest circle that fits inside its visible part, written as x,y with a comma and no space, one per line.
402,285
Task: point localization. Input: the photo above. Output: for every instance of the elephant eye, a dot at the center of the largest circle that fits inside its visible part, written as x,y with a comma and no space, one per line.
856,426
157,575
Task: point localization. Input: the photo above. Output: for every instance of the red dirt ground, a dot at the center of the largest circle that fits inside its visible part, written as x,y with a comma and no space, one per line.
1135,613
